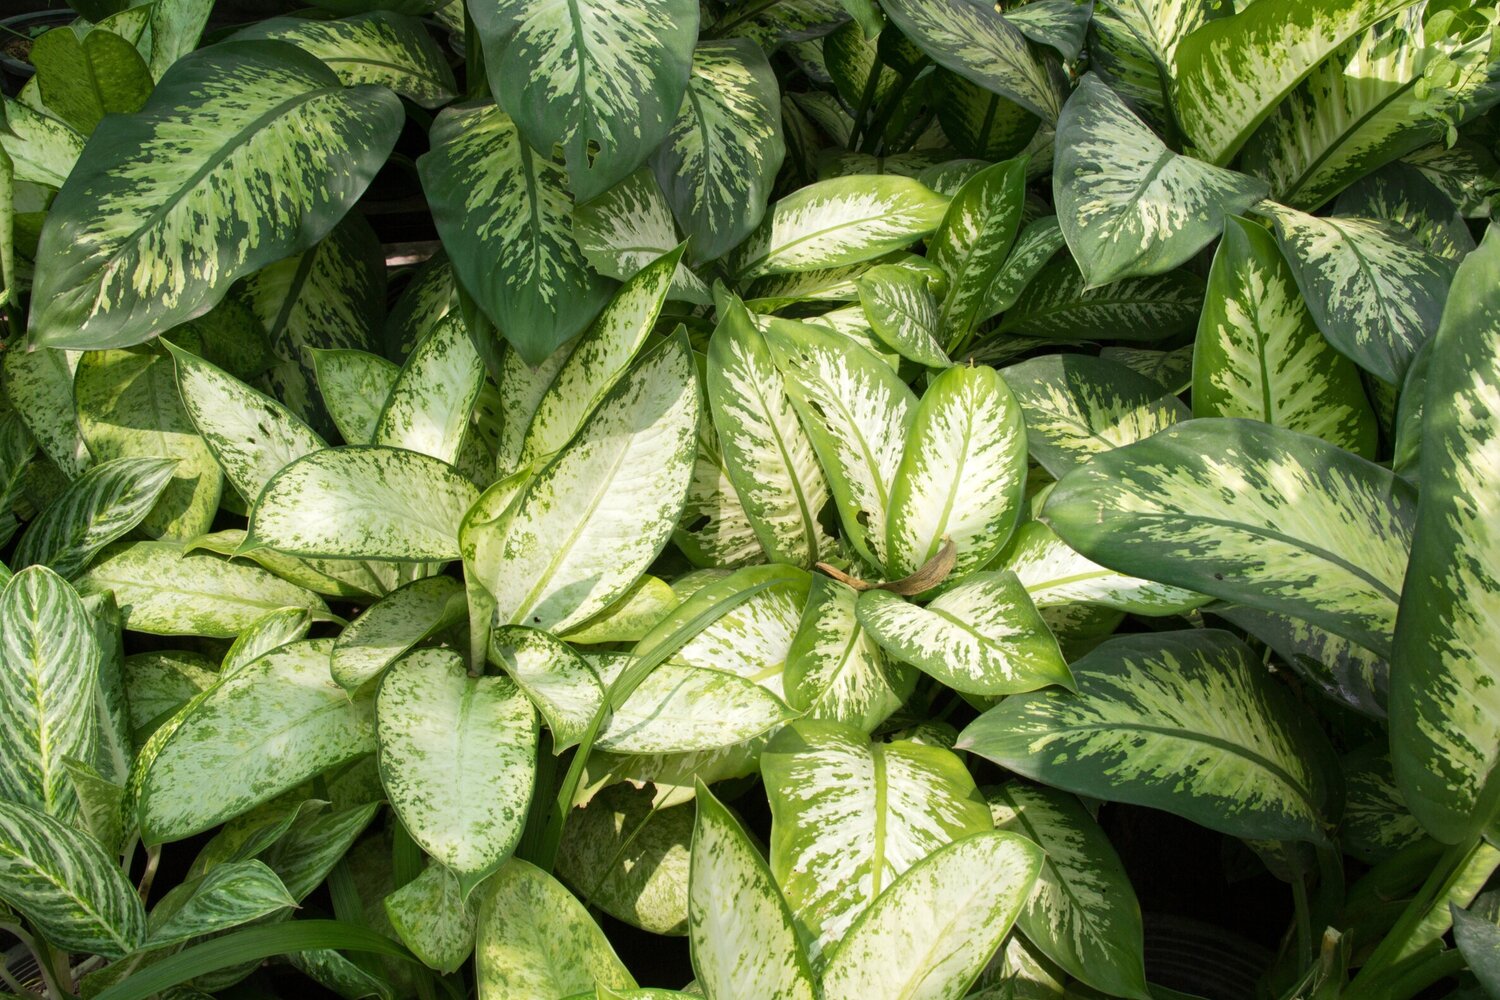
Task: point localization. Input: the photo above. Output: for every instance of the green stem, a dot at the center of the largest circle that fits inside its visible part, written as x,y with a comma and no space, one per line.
887,108
866,95
1413,981
1399,941
43,956
1304,924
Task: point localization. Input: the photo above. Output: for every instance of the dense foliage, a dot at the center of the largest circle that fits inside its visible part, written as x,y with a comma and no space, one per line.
806,469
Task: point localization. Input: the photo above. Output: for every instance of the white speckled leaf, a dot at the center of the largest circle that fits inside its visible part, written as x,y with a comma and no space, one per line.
355,385
973,241
1259,353
850,815
1128,205
271,630
981,636
457,756
431,917
1251,513
230,894
1189,722
1132,44
857,413
363,501
629,226
1082,913
433,397
98,507
835,670
536,940
42,147
1054,303
631,616
39,385
1445,742
930,934
684,709
288,721
744,943
1231,73
174,203
903,313
388,628
591,521
841,221
558,681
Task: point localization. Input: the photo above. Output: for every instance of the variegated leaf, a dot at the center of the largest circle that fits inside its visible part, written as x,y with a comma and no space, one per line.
505,216
684,709
49,665
97,508
391,626
981,636
629,226
1259,353
433,397
1361,107
1054,304
724,149
1172,370
714,530
930,934
83,78
631,616
164,591
1445,742
559,682
1082,913
766,452
842,221
857,413
1464,172
609,76
973,40
1128,205
1343,670
903,313
1077,406
1402,194
291,722
962,474
1232,72
979,122
597,360
535,940
431,917
354,386
39,384
363,501
1375,292
1252,513
850,815
66,886
173,205
457,756
972,243
1035,245
835,670
271,630
596,516
42,147
1056,576
127,409
380,47
1185,721
745,944
231,894
1132,44
1376,824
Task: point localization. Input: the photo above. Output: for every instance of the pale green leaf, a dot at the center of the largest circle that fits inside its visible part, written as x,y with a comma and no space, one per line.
42,147
431,917
430,403
629,226
39,384
903,313
561,684
631,616
388,628
232,894
1056,576
355,386
82,79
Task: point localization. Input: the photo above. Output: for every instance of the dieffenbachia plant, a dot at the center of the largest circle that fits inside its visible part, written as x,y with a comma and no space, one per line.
802,472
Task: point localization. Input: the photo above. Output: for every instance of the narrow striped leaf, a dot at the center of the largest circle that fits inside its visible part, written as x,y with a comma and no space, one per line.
1056,576
1445,743
1035,245
903,313
1082,912
1259,353
848,816
723,151
363,502
65,885
39,384
590,74
82,79
1208,505
974,41
1232,72
842,221
504,214
380,47
1360,108
597,360
97,508
857,413
431,917
1056,305
149,232
744,942
354,386
393,625
232,894
1188,722
431,402
973,241
932,932
42,147
560,683
595,517
766,452
127,408
1128,205
457,756
835,670
49,663
1172,370
536,940
114,751
1077,406
982,636
629,226
1375,292
164,591
291,721
961,475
